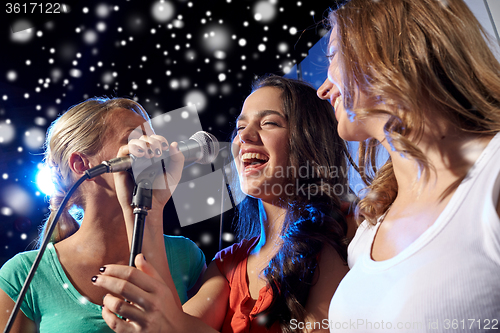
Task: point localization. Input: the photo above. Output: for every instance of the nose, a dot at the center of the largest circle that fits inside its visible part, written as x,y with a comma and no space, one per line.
324,91
248,134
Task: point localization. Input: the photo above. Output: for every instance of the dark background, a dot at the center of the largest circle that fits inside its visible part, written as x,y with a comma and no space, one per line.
207,53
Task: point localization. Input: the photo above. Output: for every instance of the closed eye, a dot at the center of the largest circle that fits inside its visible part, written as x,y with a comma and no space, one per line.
330,56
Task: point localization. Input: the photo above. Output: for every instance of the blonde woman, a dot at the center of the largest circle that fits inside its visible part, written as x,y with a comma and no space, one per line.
62,297
417,78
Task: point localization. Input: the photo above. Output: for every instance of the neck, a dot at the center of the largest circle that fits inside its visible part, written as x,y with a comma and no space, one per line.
271,222
102,233
449,151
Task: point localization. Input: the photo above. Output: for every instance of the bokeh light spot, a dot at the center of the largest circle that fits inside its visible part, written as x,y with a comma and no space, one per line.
18,199
216,38
90,37
102,10
228,237
264,11
7,132
206,239
11,75
163,11
34,138
196,98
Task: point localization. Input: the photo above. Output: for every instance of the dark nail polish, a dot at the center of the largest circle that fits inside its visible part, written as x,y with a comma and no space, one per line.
158,152
140,150
94,279
164,144
144,257
102,269
150,152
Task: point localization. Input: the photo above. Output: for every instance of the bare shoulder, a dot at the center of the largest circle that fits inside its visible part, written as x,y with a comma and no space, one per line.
22,324
332,269
213,273
194,289
211,301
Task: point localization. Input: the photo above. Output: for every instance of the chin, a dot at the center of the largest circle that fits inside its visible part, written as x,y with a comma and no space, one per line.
251,187
265,190
350,137
351,132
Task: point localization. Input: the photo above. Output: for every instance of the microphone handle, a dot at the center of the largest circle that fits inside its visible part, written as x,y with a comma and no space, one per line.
141,166
191,150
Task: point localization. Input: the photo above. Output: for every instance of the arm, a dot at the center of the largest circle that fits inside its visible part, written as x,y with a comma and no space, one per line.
22,324
212,300
332,270
153,242
152,306
194,289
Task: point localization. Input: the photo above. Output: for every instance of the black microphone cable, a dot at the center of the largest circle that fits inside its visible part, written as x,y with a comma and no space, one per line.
38,258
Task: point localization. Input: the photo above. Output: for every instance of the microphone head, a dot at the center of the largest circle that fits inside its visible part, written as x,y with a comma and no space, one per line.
209,145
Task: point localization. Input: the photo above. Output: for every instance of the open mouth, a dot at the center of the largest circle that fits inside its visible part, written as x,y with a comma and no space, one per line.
338,100
254,160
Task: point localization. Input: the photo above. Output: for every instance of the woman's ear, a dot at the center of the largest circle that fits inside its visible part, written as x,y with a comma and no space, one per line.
79,163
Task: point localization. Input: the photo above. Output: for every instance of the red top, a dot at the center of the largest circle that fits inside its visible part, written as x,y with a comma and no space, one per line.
241,315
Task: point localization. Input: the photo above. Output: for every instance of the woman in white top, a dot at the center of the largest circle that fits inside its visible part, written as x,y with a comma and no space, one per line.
416,77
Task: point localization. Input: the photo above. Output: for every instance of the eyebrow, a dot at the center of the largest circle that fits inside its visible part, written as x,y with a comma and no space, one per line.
331,50
261,114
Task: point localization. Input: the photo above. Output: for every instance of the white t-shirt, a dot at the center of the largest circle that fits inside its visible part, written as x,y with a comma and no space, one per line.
447,280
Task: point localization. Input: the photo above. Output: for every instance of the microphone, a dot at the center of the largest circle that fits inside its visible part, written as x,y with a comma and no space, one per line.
202,148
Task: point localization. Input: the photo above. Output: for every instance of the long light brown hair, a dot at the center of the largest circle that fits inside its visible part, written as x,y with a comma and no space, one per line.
79,129
414,56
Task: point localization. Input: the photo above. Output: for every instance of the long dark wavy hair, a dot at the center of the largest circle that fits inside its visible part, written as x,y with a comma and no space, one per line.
310,221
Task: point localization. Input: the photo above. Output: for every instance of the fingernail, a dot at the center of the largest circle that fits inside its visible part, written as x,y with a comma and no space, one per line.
94,279
144,257
102,269
164,144
158,152
140,150
150,152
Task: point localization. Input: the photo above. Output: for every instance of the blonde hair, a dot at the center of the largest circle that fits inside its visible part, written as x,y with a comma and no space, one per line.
414,55
79,129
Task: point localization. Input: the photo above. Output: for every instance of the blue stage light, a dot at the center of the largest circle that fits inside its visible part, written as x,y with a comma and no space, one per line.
44,181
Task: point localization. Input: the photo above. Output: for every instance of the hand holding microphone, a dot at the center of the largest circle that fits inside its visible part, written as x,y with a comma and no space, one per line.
154,165
139,154
201,148
150,156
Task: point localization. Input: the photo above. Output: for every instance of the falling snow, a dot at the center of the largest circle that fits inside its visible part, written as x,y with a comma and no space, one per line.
166,55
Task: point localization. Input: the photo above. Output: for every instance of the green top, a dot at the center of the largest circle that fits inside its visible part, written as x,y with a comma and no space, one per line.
54,304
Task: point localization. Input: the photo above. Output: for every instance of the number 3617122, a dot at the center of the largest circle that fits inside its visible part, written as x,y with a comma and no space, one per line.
34,8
